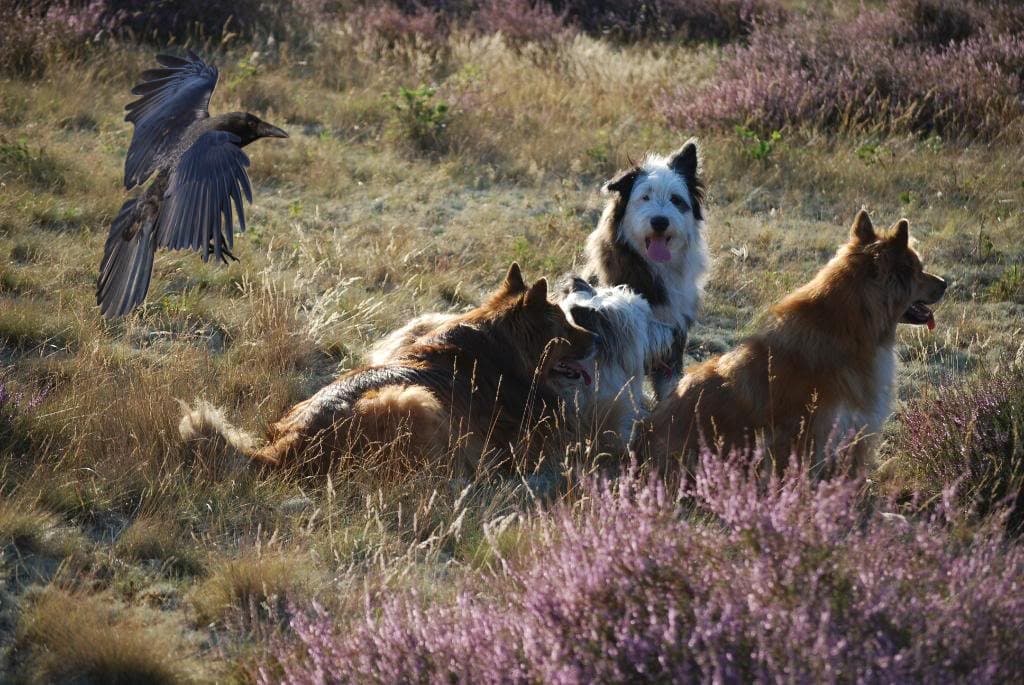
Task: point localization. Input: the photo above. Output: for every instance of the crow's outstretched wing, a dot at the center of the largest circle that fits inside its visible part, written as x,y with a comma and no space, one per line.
127,260
208,181
172,98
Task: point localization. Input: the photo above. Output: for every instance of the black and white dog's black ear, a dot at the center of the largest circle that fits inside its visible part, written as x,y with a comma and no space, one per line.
581,285
587,317
686,162
622,183
572,283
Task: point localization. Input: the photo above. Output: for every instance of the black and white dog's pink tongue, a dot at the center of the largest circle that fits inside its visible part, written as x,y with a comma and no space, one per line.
931,321
657,249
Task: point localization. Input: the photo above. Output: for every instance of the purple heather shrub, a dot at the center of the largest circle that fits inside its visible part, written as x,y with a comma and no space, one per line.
718,20
16,410
386,26
938,22
175,21
451,9
520,21
693,20
967,437
66,25
81,21
943,22
732,579
17,401
36,31
872,70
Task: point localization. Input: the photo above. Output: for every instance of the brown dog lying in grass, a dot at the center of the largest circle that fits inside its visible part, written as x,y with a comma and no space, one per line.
475,391
820,371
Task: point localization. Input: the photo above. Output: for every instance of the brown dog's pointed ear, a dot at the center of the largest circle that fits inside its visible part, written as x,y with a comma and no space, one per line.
862,232
514,279
684,161
622,183
538,294
900,233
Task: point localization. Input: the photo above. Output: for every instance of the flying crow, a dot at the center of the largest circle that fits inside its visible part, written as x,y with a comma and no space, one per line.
198,171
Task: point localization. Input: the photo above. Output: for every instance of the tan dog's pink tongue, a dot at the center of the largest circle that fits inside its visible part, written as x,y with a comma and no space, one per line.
657,249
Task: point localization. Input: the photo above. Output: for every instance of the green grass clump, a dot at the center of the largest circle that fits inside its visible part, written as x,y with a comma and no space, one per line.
1009,287
25,328
24,525
158,538
70,637
422,117
36,167
260,584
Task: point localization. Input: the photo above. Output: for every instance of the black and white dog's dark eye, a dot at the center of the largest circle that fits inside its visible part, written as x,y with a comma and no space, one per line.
679,202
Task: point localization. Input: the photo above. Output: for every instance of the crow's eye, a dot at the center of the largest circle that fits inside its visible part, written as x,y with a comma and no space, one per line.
679,202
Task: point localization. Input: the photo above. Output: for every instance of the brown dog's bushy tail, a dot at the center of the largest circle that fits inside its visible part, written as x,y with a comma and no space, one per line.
205,426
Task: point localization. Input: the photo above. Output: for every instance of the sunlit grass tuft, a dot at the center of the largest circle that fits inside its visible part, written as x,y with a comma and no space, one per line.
253,583
69,637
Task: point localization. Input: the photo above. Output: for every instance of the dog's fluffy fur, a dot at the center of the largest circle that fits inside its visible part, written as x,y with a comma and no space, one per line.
388,347
651,238
609,402
630,339
479,387
820,371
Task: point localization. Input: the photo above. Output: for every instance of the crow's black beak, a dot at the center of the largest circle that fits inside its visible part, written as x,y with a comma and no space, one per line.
265,130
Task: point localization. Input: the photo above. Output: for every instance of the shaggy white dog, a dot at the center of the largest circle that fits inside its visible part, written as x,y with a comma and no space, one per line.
631,339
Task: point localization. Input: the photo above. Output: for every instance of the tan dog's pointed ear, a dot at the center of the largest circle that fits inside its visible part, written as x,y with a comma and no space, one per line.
514,283
900,233
538,294
862,232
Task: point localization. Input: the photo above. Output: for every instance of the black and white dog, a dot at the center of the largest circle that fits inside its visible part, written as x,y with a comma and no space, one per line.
651,239
630,340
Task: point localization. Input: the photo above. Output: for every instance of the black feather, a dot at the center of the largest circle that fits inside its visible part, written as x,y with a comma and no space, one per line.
172,99
127,261
201,192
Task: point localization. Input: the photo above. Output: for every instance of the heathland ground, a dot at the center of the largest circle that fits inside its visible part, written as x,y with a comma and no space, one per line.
421,163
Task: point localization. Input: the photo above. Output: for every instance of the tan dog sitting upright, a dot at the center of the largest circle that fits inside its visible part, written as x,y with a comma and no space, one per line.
477,387
820,371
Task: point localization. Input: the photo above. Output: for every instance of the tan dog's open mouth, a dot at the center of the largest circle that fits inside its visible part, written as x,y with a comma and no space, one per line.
920,314
572,370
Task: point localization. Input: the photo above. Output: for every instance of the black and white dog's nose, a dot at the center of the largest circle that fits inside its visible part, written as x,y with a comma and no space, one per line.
659,223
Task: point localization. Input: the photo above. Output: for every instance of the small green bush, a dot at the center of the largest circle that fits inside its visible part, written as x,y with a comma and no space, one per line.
422,119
